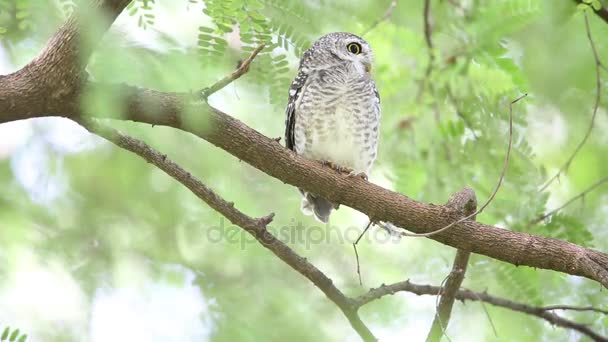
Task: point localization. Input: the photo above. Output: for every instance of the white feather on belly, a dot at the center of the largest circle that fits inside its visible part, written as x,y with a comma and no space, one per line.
341,143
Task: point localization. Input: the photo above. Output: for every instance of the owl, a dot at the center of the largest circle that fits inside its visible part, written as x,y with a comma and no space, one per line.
333,112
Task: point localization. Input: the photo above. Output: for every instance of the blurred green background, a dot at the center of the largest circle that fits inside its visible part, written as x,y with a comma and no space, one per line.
98,245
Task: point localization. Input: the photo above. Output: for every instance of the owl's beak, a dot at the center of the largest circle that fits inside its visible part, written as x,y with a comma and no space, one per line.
368,67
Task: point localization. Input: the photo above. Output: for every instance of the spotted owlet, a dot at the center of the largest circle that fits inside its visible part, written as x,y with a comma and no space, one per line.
333,111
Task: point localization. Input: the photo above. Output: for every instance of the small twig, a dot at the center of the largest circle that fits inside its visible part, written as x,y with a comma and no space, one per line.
464,294
574,308
428,39
242,69
573,199
500,180
387,14
485,309
357,254
427,27
598,91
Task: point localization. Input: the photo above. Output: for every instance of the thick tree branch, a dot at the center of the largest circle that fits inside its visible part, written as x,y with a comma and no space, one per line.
463,295
255,227
57,73
161,108
465,202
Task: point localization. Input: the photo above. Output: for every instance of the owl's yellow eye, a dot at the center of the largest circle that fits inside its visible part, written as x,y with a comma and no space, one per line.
354,48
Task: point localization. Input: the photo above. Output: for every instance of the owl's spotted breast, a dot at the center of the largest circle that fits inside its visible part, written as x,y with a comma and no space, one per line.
337,120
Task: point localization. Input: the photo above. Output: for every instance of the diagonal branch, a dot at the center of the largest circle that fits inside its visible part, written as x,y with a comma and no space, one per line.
376,202
255,227
464,295
240,71
57,73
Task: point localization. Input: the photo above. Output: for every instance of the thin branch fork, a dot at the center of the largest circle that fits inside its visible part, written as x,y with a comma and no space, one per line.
468,295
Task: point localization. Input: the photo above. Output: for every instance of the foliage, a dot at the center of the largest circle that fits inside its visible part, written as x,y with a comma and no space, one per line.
12,335
78,206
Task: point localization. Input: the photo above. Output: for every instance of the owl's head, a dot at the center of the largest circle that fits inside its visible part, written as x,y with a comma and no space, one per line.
339,47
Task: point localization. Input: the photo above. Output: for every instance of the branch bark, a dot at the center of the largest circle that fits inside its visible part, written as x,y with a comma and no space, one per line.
162,108
465,295
465,202
57,73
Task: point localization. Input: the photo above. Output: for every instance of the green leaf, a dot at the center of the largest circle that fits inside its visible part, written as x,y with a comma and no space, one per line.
5,334
14,335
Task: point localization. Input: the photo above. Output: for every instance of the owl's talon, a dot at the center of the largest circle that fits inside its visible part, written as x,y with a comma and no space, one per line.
332,165
363,175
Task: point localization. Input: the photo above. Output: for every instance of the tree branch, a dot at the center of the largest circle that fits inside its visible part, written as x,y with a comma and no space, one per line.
465,295
255,227
465,202
265,154
161,108
574,308
220,129
240,71
57,73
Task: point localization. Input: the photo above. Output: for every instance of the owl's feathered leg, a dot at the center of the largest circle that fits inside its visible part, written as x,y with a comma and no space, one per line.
317,206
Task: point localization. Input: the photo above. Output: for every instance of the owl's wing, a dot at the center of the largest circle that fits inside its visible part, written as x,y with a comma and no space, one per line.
376,93
295,92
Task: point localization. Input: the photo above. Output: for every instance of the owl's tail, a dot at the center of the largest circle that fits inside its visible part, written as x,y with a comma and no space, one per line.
317,206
